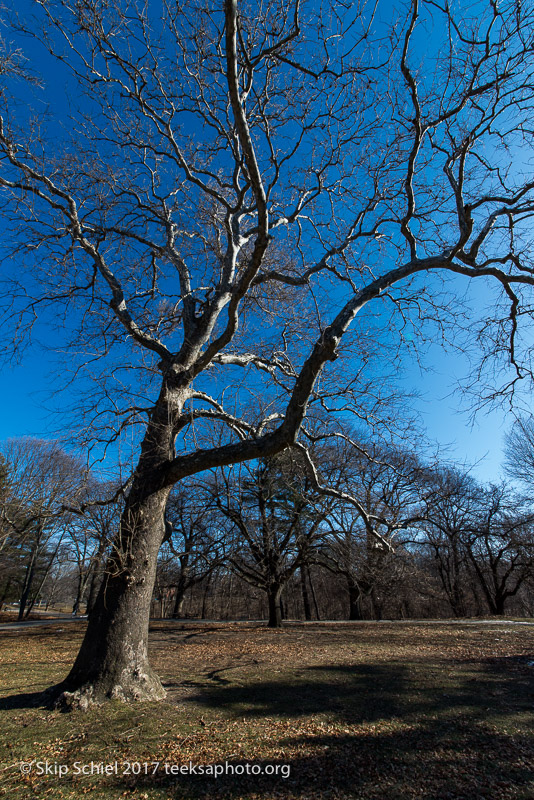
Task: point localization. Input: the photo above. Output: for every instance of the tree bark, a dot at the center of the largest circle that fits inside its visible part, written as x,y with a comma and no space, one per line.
205,596
305,595
355,602
178,610
283,611
498,605
113,658
275,615
315,603
179,598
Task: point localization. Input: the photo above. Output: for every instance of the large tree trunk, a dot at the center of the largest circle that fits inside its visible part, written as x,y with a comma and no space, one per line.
283,610
179,598
178,610
113,658
498,605
205,596
312,587
378,605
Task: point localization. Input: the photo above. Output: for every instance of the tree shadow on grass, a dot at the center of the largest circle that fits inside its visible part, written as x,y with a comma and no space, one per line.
391,732
353,694
363,693
42,699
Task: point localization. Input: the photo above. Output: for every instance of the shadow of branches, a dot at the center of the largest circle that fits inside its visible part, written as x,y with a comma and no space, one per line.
389,732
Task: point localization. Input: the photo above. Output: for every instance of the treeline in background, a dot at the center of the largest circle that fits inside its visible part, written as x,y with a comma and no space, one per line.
359,531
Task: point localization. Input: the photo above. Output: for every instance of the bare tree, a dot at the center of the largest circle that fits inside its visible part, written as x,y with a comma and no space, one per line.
453,501
365,534
238,186
519,451
193,547
101,520
90,536
500,547
43,480
275,522
480,538
4,484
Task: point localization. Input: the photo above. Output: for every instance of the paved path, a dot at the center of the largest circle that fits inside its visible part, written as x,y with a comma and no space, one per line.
414,622
31,623
17,626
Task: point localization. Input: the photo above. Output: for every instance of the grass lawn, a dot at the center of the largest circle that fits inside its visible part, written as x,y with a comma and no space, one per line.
377,712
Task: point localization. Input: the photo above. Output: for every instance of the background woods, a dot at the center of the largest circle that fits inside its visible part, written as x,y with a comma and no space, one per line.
261,543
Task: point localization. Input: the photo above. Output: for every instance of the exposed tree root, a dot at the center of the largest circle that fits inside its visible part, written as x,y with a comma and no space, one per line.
143,688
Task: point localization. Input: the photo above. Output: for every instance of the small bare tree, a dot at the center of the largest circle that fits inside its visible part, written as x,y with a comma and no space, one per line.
519,451
193,541
382,501
89,538
453,500
500,547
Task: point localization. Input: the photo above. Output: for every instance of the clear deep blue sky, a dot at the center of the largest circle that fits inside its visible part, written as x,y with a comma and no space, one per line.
28,407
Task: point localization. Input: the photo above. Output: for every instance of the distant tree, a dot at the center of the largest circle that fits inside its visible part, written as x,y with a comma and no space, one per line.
500,547
4,484
453,503
480,537
275,519
519,451
6,565
90,536
57,586
363,537
43,480
192,547
102,520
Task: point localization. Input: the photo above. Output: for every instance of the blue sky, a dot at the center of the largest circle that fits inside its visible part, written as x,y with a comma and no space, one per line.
475,441
29,407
